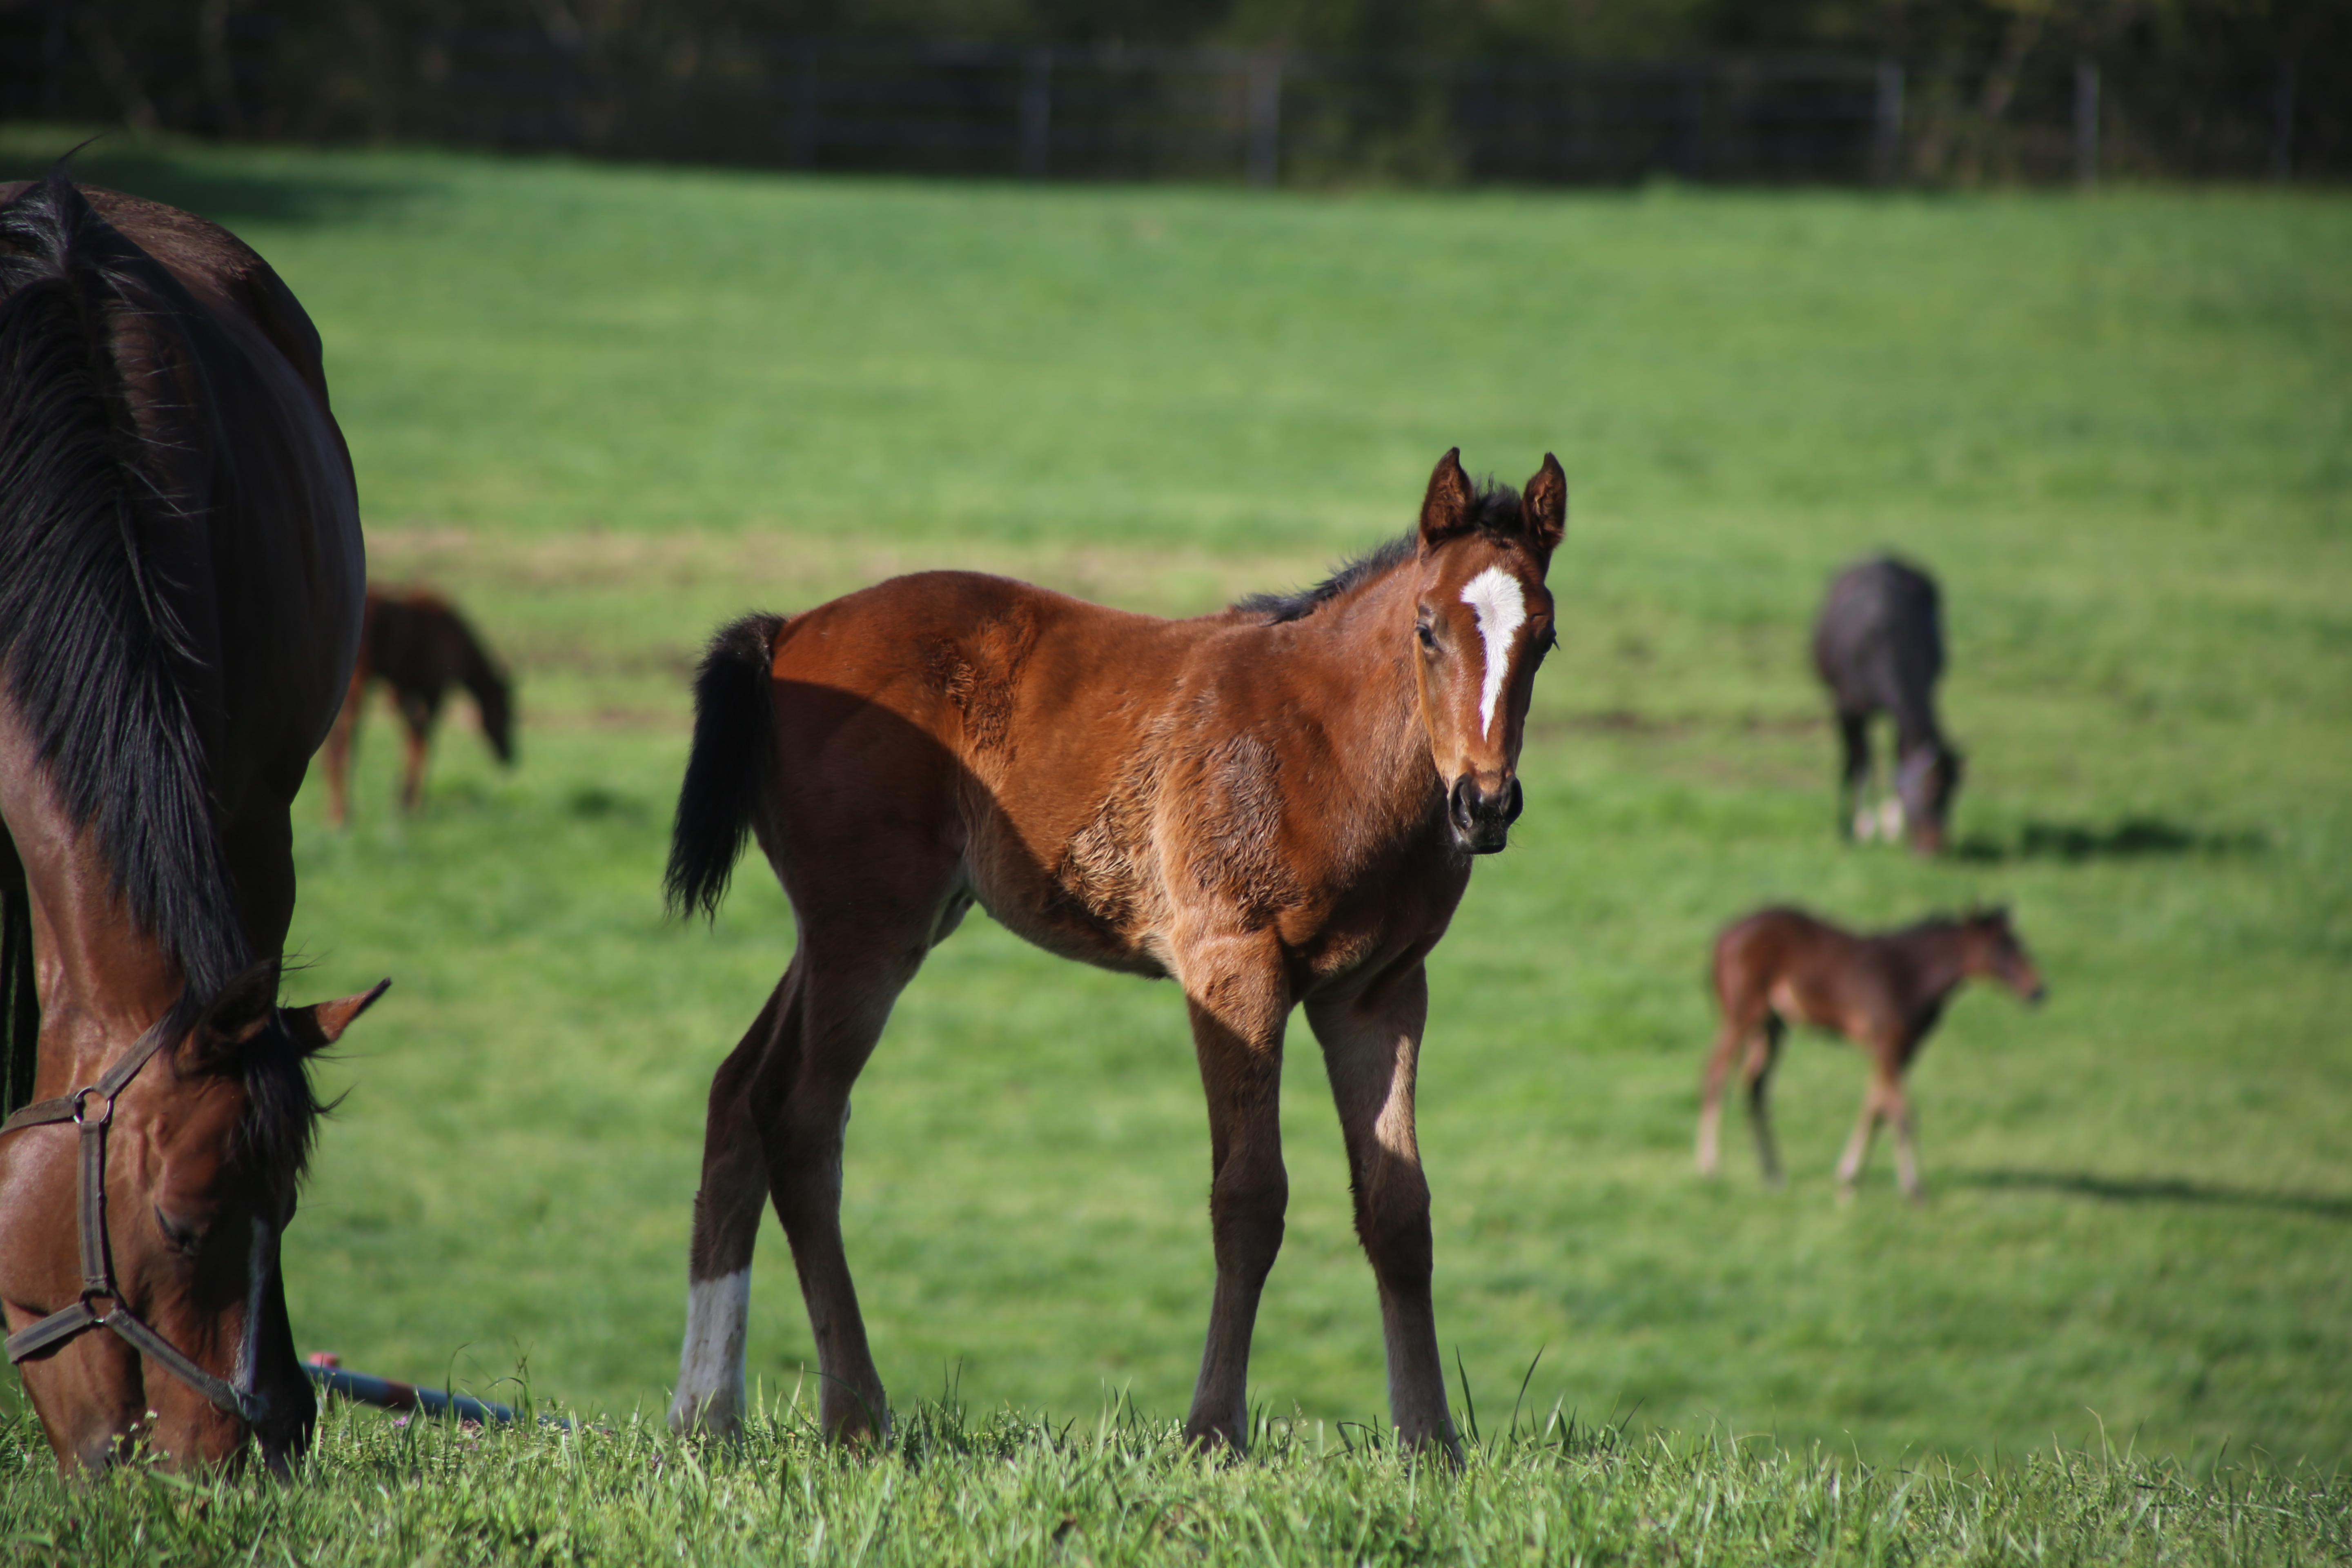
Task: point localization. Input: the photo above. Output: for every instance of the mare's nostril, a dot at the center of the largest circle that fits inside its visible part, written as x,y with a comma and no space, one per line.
1462,803
1513,802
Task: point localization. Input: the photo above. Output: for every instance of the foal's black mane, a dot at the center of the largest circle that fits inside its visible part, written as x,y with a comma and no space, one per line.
1496,514
98,544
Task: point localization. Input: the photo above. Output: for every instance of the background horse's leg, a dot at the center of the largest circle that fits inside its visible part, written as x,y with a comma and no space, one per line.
1866,1129
340,740
1711,1100
1854,776
1763,1054
1371,1047
418,709
727,1215
1238,1039
1907,1157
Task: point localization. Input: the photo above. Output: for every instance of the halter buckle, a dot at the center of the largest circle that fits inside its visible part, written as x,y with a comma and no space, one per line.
80,1098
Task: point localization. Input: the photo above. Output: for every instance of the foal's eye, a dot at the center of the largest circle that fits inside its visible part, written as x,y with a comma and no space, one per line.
1428,637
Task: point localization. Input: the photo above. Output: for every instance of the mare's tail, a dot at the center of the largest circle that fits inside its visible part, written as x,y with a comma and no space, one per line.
728,771
20,1003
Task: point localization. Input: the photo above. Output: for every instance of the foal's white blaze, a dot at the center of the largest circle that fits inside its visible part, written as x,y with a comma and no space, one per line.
710,1367
1502,610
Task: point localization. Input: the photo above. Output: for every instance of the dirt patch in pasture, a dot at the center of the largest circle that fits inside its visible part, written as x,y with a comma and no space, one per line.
796,570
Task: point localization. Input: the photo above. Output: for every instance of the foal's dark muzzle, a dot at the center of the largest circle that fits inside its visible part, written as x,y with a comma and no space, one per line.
1482,822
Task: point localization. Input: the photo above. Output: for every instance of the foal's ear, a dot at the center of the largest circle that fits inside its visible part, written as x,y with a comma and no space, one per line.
321,1024
1543,505
242,1009
1447,509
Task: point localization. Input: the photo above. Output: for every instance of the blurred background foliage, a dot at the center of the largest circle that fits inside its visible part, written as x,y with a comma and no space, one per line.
343,70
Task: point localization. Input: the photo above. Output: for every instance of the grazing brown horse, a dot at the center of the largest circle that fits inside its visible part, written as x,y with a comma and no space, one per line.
1884,993
1273,805
180,579
415,643
1879,648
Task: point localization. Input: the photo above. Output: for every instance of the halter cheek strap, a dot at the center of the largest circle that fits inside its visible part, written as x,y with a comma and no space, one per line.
98,1281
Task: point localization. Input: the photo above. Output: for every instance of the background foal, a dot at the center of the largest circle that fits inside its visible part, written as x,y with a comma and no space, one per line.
1884,993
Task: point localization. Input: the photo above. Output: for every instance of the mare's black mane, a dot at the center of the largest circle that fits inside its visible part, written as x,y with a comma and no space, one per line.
1496,514
104,561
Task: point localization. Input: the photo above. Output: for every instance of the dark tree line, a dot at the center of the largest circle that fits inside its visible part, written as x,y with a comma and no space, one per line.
359,69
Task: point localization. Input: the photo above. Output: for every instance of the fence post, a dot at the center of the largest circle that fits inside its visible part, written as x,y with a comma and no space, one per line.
1036,113
1265,120
1887,147
2282,123
2086,123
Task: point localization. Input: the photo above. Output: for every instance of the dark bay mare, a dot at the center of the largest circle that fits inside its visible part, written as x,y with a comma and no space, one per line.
1879,646
1884,993
417,644
180,579
1276,806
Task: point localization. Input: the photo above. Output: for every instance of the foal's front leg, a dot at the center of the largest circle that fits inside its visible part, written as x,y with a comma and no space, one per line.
1238,1008
1372,1050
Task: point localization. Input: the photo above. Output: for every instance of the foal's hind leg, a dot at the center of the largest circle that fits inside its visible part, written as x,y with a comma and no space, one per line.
863,936
1371,1047
726,1216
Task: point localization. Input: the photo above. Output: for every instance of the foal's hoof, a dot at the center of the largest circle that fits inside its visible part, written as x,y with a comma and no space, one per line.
1844,1194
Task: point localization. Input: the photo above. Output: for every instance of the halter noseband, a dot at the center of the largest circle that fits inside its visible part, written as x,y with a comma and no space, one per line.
97,1261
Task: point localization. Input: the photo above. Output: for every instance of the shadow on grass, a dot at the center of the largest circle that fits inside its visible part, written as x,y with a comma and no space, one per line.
2133,839
228,196
2153,1190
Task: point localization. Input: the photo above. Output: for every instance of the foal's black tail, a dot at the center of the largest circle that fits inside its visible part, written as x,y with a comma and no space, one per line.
727,771
20,1003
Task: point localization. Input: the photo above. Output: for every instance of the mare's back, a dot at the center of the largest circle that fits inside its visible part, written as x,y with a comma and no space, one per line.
1880,638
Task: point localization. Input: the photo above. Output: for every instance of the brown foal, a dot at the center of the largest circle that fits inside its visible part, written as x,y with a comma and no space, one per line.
417,644
180,581
1276,806
1884,993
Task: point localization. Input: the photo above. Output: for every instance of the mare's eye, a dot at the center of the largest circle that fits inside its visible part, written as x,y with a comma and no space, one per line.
1428,639
184,1238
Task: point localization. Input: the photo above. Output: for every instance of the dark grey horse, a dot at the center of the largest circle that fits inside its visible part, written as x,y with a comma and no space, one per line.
1879,646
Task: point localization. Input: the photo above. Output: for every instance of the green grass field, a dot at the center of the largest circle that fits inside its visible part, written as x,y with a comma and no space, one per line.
606,407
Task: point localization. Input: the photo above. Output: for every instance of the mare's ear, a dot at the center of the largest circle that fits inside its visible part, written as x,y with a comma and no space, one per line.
1447,509
242,1009
1543,505
321,1024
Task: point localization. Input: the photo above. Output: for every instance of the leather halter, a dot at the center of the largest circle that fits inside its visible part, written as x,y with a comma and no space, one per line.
98,1281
